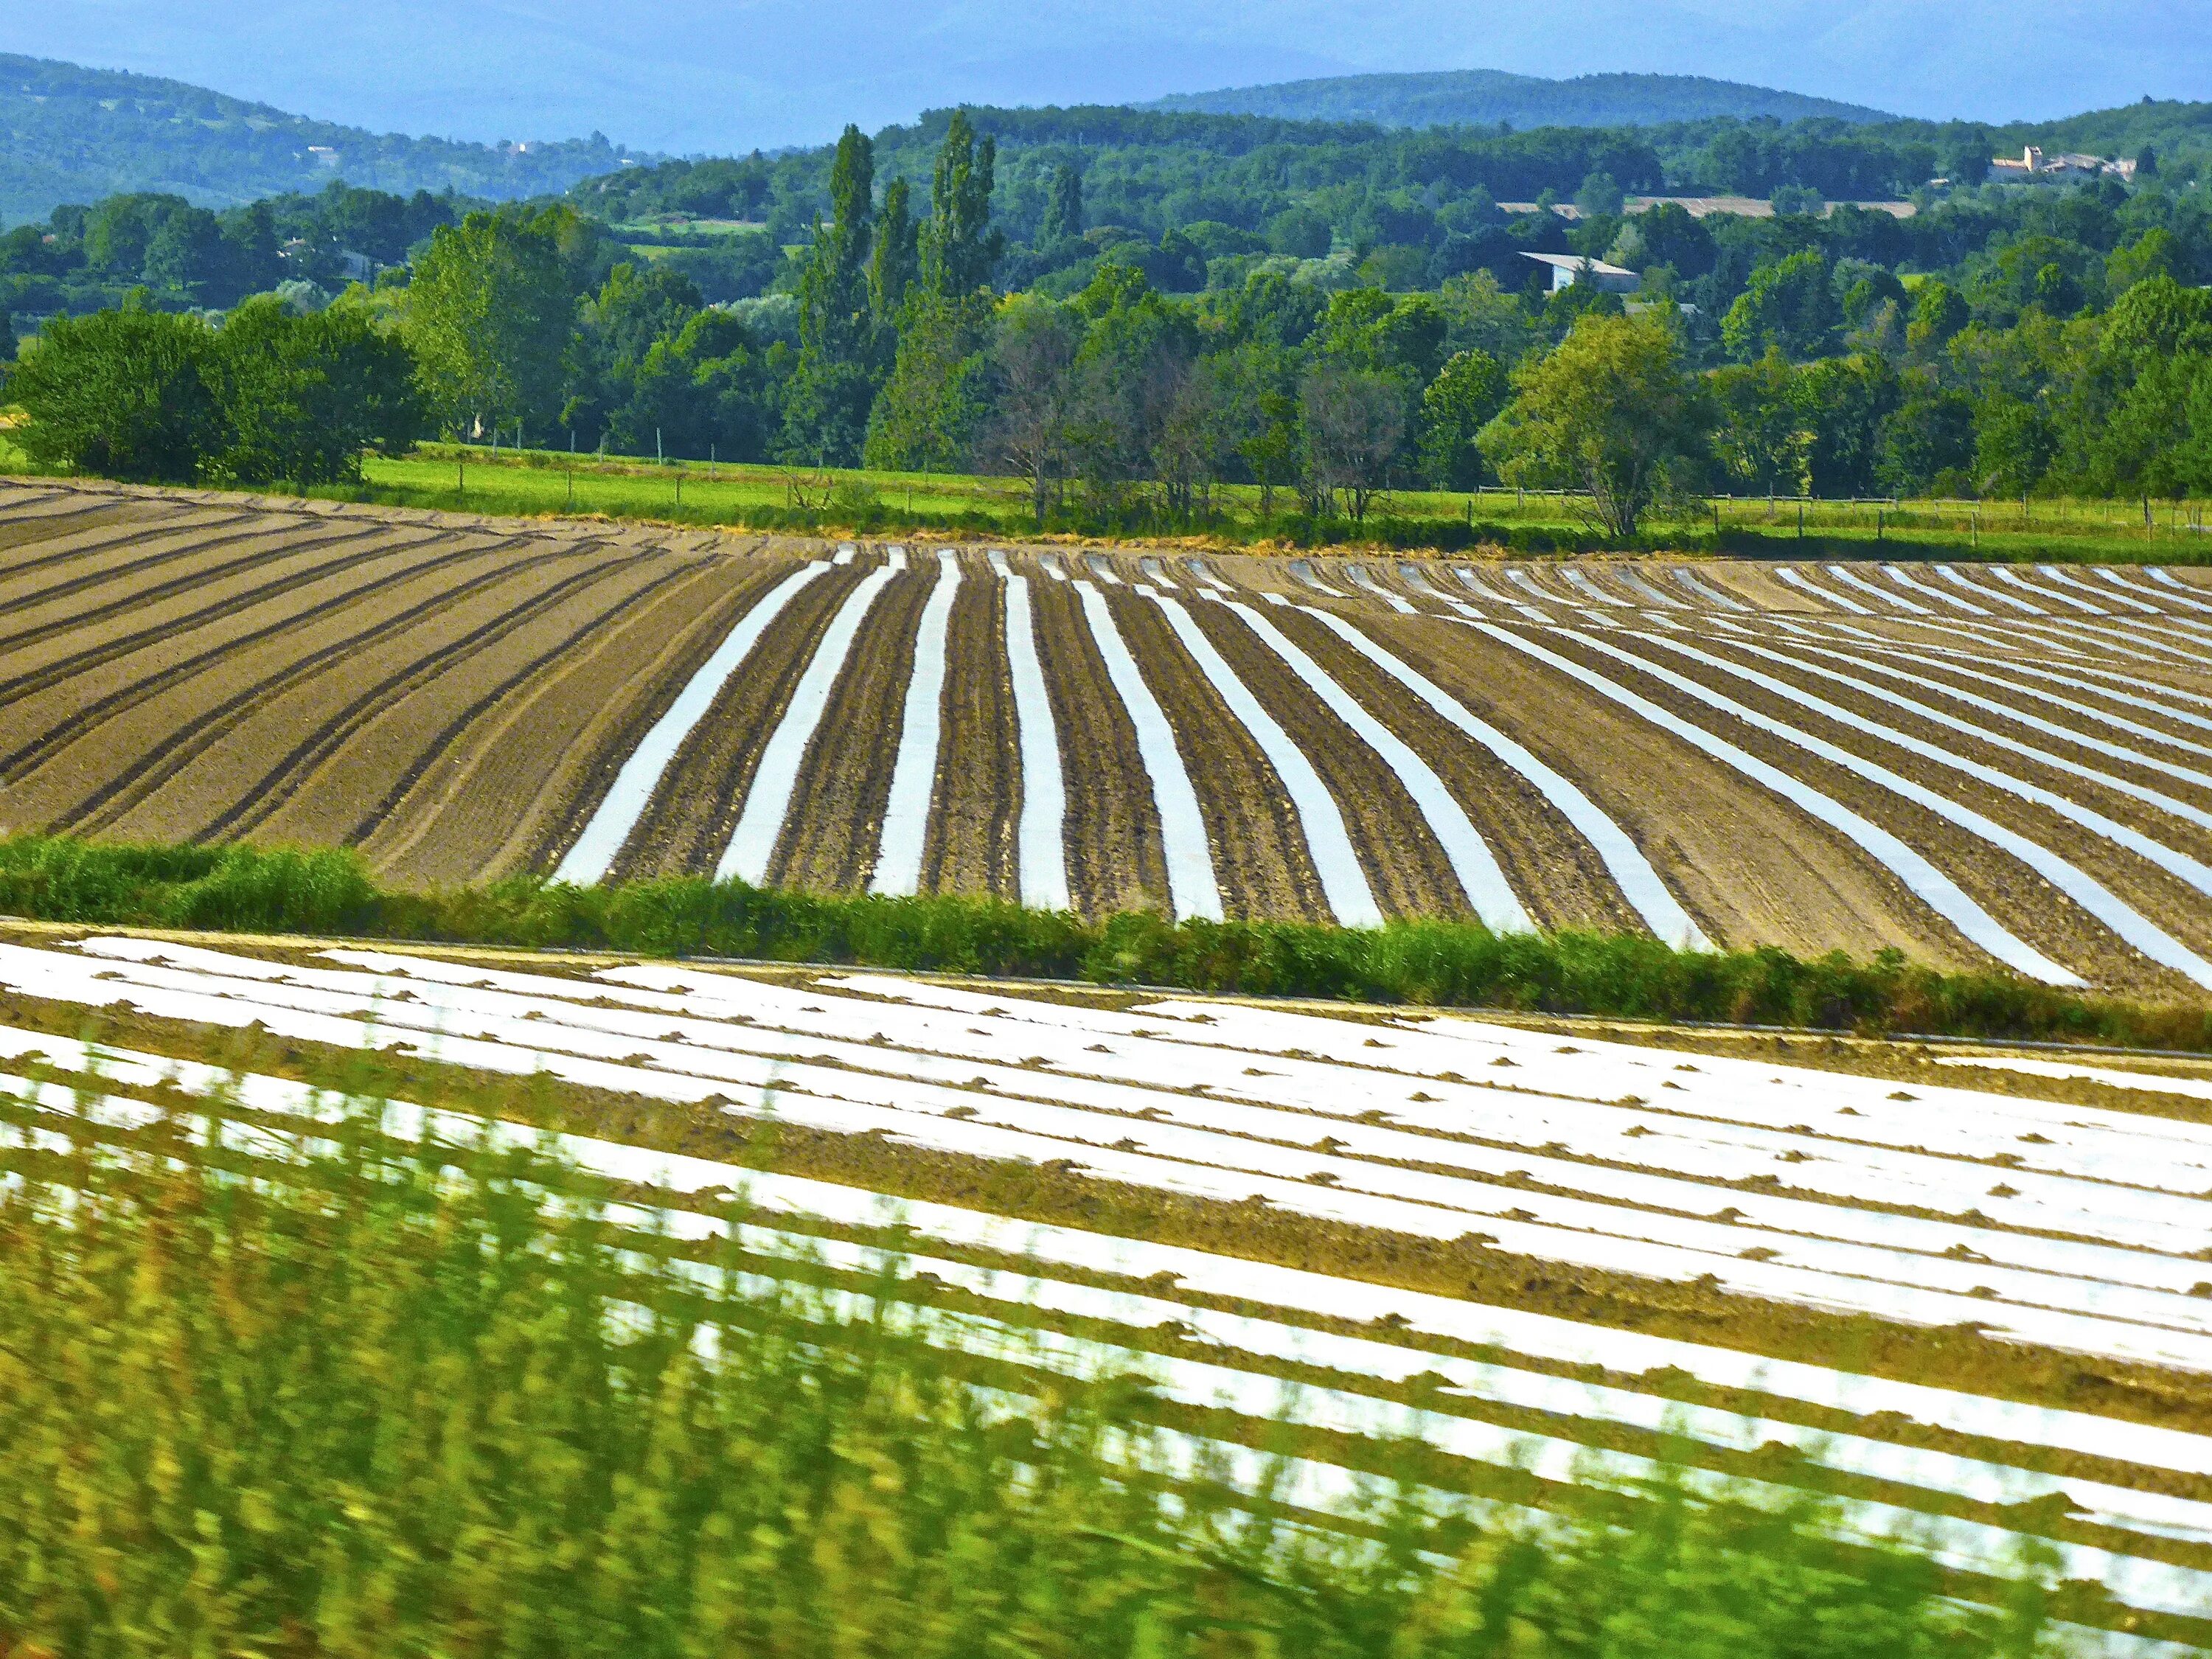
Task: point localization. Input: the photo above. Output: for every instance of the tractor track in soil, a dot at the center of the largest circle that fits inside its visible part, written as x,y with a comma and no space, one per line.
102,652
831,835
578,641
1115,859
71,530
273,792
976,799
1405,863
183,740
1260,855
688,823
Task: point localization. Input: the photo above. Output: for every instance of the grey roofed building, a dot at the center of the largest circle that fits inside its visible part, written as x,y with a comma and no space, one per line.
1568,269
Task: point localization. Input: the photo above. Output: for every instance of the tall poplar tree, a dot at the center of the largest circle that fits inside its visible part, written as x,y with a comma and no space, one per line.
960,247
826,415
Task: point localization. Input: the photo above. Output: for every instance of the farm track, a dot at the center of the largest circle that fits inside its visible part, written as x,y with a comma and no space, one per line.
684,828
977,801
1116,860
29,564
512,791
1260,852
829,839
93,684
1064,1187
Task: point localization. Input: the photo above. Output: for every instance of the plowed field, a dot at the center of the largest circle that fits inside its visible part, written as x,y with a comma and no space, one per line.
1978,766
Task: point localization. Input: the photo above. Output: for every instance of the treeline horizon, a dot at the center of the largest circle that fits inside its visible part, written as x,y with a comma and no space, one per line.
2050,340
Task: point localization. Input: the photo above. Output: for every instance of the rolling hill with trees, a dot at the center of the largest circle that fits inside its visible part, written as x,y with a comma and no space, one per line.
69,134
1489,97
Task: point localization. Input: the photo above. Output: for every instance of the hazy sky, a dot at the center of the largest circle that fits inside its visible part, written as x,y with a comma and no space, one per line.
726,74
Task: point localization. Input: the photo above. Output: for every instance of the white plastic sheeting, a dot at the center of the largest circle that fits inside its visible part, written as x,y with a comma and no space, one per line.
1480,877
768,801
1328,842
914,771
1193,889
1934,889
616,816
1040,840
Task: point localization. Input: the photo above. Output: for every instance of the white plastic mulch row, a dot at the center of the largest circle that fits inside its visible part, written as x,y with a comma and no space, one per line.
2189,1088
2190,870
1639,884
1192,888
1797,579
1229,1164
1934,889
1329,841
768,800
914,771
1346,1408
610,824
1480,877
2122,919
1040,844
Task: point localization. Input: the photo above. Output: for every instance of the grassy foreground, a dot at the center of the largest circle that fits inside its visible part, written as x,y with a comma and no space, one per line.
250,889
390,1400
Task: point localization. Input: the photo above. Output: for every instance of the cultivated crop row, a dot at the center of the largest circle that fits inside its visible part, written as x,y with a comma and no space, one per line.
1552,1262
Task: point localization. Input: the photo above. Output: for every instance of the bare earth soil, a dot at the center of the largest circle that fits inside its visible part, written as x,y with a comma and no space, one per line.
454,696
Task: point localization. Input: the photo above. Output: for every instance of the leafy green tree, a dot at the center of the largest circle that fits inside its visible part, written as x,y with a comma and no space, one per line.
301,398
1843,401
123,394
2013,445
960,247
926,418
488,314
1928,444
1259,383
1032,359
6,335
1790,304
826,414
702,389
1939,312
1062,220
1759,435
1611,411
1464,397
894,266
1353,420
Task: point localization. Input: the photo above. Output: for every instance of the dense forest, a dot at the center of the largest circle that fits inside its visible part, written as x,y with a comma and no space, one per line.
1125,309
73,134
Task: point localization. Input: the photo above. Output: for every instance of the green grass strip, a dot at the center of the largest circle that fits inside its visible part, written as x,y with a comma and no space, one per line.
287,890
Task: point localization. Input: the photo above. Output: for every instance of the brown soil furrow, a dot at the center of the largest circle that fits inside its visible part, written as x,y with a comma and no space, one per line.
80,704
454,661
1405,863
1259,845
2182,910
976,807
1751,868
387,755
192,785
1115,858
79,523
833,832
688,822
2174,831
2024,903
1557,874
510,789
227,559
166,730
73,670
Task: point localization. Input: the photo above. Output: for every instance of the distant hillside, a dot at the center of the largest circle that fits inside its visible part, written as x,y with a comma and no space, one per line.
69,134
1488,97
